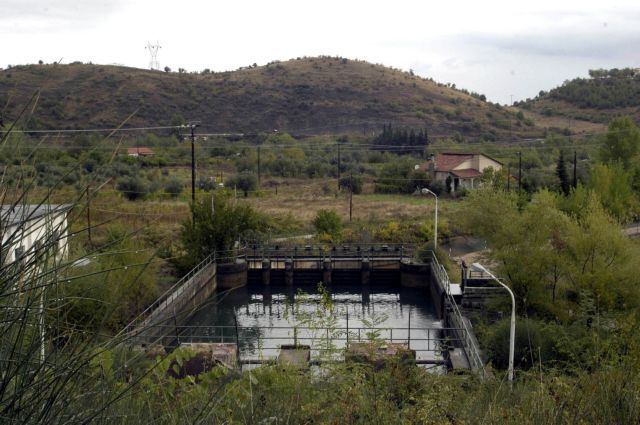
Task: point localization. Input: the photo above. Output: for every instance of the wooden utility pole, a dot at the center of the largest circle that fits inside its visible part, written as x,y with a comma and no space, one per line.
575,174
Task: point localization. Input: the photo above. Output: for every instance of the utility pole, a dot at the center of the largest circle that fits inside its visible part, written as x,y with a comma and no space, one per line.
519,171
575,174
192,125
350,196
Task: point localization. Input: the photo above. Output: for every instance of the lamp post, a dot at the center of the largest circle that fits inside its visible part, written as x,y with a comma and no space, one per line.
512,337
435,226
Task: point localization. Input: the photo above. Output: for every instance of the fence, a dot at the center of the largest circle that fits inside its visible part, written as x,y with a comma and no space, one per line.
358,251
264,342
167,301
467,338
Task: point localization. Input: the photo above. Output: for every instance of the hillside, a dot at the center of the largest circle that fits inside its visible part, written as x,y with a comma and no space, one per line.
599,98
305,96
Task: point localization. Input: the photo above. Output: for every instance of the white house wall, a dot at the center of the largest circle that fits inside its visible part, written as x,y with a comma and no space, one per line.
29,232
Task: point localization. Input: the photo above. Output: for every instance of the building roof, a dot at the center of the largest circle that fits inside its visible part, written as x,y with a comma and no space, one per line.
140,151
467,173
13,214
449,160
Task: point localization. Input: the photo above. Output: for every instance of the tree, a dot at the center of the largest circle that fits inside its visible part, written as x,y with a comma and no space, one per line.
612,185
328,222
216,225
132,188
622,142
167,69
173,187
561,172
246,181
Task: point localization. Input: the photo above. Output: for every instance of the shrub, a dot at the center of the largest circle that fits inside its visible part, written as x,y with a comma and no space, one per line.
246,181
132,188
328,222
173,187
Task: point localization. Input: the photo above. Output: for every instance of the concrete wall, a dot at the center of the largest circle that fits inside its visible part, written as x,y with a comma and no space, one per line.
233,275
484,162
178,307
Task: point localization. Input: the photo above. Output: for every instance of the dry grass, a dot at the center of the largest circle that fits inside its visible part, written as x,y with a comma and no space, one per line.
303,198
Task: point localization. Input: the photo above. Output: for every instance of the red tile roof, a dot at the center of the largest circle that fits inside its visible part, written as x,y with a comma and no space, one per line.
448,161
467,173
140,151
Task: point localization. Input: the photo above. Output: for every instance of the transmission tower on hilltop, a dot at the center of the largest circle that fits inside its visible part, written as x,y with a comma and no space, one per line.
153,51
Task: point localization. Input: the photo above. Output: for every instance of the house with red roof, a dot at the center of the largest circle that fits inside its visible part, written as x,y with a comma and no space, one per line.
140,152
459,169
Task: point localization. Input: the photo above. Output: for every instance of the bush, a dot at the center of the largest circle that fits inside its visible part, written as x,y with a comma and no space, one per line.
132,188
328,222
217,229
173,187
245,181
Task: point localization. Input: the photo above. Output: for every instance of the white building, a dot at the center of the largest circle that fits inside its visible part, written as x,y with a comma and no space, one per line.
460,169
24,229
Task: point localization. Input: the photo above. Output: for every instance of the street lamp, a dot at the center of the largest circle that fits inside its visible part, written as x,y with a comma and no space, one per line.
512,338
435,226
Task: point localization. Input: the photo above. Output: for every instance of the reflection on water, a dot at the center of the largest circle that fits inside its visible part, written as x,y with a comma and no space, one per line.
266,317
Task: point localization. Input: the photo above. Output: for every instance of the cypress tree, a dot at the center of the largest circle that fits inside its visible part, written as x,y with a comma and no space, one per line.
561,172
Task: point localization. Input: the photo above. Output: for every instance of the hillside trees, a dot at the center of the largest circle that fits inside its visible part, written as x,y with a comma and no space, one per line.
552,259
622,142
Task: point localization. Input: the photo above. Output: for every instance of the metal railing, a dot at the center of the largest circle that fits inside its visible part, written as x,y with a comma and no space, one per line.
467,340
169,296
360,251
267,340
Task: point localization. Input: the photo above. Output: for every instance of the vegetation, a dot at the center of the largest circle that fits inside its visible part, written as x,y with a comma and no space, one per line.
328,222
600,98
306,95
217,225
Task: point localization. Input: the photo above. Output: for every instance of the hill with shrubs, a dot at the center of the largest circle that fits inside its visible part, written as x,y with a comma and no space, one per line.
305,96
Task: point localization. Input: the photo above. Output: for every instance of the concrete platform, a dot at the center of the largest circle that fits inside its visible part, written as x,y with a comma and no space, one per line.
458,359
297,356
377,354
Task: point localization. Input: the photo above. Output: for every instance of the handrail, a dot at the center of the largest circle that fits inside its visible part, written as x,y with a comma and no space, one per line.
472,351
317,336
165,296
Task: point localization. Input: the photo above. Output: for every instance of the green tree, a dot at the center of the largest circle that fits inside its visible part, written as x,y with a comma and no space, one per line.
622,142
246,181
612,185
561,172
173,187
216,225
132,188
328,222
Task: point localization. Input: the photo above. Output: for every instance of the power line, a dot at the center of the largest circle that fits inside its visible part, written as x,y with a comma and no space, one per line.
98,130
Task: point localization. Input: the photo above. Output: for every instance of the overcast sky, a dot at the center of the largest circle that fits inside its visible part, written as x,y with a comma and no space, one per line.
499,48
